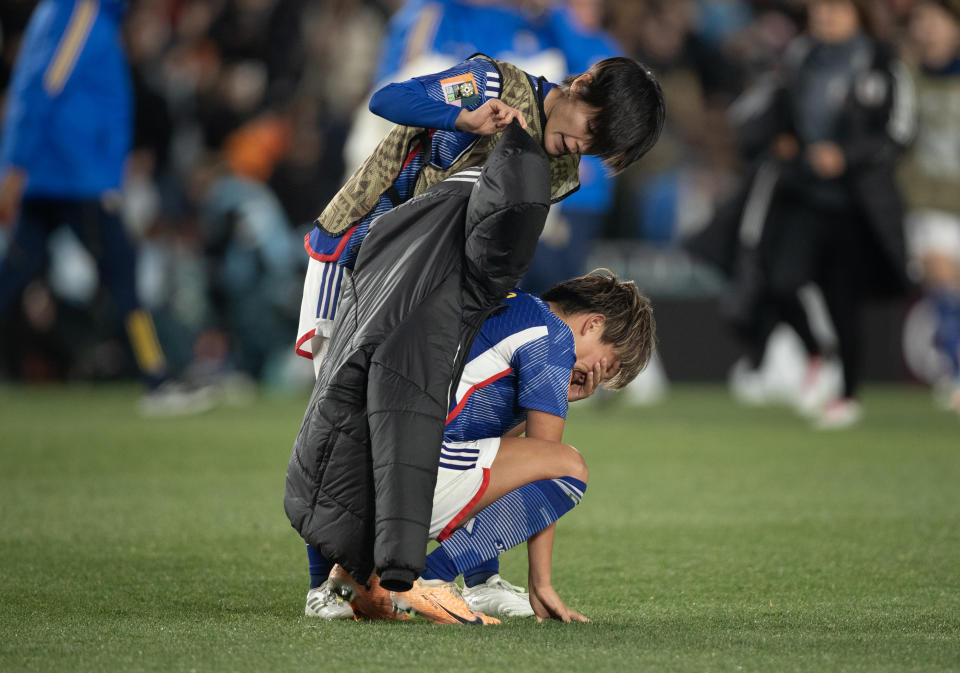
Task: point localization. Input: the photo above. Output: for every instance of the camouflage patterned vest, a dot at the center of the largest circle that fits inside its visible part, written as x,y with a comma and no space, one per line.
376,175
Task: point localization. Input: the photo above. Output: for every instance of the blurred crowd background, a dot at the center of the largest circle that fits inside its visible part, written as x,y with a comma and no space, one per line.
249,114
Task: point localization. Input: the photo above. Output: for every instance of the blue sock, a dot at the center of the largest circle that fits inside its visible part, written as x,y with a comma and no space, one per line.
503,524
319,566
477,575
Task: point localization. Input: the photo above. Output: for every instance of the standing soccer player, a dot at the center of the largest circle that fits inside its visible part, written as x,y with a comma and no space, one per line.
450,121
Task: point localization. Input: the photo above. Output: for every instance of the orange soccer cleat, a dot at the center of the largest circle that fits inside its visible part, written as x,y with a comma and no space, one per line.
369,601
440,602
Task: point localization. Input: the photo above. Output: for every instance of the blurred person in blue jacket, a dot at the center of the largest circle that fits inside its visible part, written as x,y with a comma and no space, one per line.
66,134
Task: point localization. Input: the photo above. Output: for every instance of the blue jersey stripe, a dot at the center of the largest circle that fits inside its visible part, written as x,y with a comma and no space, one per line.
449,466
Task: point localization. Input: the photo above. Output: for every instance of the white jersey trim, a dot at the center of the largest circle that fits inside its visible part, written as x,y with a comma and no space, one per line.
495,359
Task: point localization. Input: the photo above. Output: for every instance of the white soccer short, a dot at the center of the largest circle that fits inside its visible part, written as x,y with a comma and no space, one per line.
320,298
458,490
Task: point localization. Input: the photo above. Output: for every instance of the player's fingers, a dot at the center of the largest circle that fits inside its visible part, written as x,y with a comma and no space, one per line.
589,383
515,114
508,114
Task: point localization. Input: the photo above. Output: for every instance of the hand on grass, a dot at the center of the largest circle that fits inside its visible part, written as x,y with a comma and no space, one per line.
491,117
546,605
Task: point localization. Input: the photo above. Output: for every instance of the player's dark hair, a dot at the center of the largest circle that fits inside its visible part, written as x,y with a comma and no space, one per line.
629,325
631,110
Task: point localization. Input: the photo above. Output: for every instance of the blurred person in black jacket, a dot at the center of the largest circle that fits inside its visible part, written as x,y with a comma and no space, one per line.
823,206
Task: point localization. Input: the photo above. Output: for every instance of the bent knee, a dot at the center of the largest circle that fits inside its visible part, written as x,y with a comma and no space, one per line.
575,464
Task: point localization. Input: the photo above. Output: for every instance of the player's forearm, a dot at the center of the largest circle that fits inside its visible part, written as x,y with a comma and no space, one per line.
407,103
540,556
517,431
541,425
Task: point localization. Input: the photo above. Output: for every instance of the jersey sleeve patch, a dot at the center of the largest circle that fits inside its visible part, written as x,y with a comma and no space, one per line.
468,84
460,90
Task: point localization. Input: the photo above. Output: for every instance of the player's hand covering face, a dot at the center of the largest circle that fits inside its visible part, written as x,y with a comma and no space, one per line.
583,384
597,360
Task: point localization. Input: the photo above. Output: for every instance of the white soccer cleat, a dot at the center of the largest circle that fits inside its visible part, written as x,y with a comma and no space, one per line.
946,394
173,398
747,385
499,598
821,383
840,414
323,602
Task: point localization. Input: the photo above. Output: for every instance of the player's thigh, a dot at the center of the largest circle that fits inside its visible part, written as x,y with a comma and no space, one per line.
524,460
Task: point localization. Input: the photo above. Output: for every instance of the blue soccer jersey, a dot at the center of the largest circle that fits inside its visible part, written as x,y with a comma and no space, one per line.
522,359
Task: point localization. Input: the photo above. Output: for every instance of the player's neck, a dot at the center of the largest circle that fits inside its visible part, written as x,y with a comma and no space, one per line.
573,321
556,96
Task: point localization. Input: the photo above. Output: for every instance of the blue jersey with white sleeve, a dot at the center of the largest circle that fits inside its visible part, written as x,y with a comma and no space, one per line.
433,102
522,359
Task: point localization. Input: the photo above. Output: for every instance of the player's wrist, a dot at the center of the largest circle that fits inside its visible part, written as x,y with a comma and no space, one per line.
539,582
464,121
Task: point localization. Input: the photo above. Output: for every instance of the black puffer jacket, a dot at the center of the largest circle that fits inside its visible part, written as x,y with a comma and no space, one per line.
364,465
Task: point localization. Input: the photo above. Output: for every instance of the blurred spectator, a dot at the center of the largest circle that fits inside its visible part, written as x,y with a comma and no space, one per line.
931,177
66,135
831,128
251,257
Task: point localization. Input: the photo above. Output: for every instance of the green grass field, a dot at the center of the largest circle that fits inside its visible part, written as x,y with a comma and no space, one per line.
712,538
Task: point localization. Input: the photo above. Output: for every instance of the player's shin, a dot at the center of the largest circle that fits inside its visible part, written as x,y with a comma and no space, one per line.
503,524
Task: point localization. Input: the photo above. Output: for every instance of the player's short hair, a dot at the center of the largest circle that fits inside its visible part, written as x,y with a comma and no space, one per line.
629,325
631,110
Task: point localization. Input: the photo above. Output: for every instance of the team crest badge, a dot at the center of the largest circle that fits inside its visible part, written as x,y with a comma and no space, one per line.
460,90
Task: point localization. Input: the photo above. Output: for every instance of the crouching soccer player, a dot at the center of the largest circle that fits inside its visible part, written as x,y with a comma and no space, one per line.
495,489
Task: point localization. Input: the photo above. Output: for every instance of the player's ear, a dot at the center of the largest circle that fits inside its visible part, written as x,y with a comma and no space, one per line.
594,323
581,82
